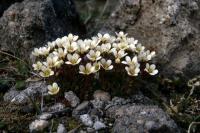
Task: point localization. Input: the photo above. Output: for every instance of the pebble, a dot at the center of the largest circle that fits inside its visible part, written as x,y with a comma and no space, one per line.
45,116
61,129
98,125
101,95
71,97
56,107
86,120
38,125
81,109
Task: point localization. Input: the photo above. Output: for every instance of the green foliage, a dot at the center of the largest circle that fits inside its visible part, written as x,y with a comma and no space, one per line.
13,71
20,84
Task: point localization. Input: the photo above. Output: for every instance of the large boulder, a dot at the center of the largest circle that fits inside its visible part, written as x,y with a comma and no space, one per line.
4,4
170,27
132,118
32,23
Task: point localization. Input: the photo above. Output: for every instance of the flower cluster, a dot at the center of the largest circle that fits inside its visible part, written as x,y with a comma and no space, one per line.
102,51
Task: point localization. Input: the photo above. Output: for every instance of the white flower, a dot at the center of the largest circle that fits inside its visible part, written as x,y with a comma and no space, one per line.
71,47
61,53
58,63
73,59
118,54
72,38
83,46
94,42
139,48
44,51
106,64
36,52
52,61
131,40
151,69
146,55
104,48
115,46
46,72
59,42
87,42
94,55
53,89
121,35
64,39
130,61
97,66
37,66
132,44
41,51
51,45
132,70
88,69
123,45
104,38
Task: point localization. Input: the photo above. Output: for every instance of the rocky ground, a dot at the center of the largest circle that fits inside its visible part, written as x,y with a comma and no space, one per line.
102,113
163,104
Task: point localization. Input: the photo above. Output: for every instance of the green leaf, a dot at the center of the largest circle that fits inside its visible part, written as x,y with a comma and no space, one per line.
20,84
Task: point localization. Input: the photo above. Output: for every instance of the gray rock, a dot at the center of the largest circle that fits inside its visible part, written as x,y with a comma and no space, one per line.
61,129
32,23
170,27
141,99
38,125
45,116
101,95
8,96
90,130
141,118
71,97
86,120
118,101
98,104
56,107
81,109
33,90
4,4
98,125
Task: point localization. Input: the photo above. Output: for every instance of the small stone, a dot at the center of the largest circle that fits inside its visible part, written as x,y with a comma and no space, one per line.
98,125
45,116
82,131
90,130
56,107
86,120
38,125
98,104
110,124
61,129
101,95
81,109
72,98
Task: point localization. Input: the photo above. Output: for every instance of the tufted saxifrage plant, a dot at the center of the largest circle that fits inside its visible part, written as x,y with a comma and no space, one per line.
89,56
